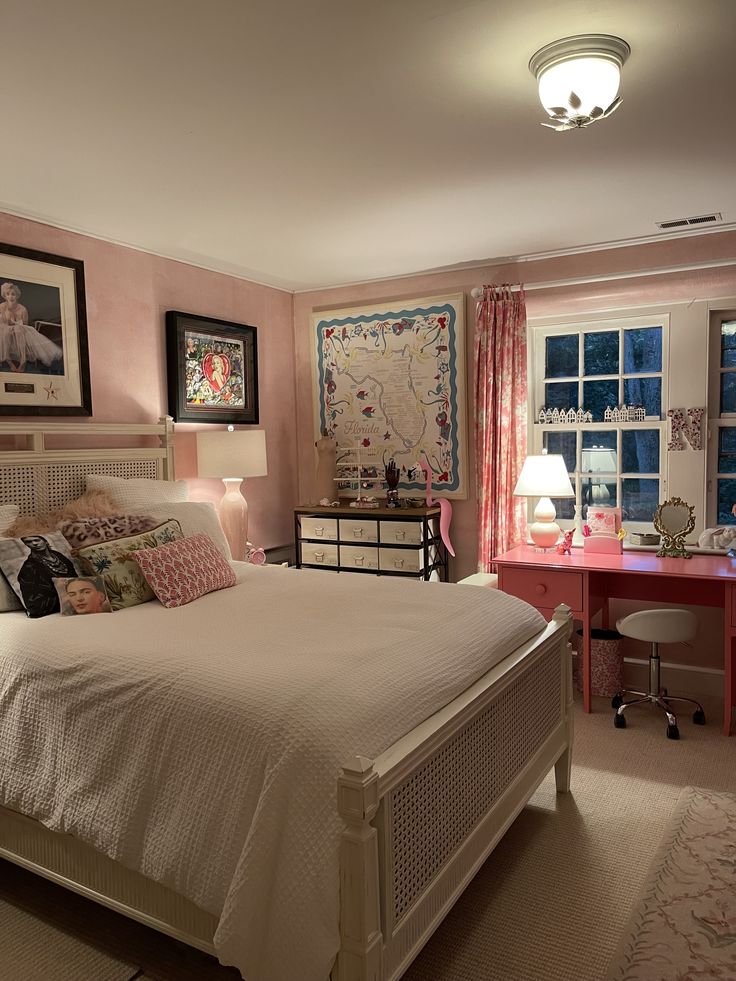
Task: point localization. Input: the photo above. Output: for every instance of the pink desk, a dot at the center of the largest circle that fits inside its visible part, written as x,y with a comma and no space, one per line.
586,583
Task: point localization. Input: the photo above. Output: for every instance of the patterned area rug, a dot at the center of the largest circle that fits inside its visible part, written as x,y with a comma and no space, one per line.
684,927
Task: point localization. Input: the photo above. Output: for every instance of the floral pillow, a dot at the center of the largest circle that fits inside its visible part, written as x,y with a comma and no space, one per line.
185,570
125,584
82,532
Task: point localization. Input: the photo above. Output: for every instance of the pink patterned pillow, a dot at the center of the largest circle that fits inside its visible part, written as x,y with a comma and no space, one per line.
184,570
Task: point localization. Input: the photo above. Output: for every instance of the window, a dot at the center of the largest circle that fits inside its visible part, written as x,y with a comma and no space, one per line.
722,421
599,368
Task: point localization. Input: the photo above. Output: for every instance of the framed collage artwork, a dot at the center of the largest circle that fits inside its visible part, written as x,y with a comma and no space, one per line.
212,369
44,357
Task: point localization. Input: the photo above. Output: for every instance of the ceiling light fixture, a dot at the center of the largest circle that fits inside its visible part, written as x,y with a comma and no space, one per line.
578,78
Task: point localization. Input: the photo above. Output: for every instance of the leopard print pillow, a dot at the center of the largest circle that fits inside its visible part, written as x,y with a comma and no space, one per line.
82,532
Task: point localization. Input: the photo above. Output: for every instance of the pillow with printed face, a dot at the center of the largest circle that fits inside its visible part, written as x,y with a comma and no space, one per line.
82,532
185,570
30,565
82,595
137,492
124,581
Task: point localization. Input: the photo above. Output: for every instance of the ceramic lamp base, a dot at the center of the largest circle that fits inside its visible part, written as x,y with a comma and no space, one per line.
545,531
233,512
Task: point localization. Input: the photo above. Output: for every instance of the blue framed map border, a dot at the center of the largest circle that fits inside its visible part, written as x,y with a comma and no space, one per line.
390,377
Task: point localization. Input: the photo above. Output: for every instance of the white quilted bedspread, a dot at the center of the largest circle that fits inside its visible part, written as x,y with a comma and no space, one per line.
201,745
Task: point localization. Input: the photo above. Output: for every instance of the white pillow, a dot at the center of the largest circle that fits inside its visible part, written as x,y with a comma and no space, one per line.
136,493
8,516
195,518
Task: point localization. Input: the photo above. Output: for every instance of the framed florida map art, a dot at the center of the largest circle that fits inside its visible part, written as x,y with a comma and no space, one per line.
44,359
390,380
212,368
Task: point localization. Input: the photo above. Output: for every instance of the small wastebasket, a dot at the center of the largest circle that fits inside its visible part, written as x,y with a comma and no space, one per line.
606,662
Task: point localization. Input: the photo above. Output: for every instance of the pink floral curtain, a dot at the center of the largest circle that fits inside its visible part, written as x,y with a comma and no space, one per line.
500,419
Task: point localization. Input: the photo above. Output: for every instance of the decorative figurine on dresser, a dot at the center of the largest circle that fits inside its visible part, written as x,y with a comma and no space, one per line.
393,475
324,481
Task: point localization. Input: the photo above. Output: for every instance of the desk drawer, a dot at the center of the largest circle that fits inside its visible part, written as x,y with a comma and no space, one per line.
544,587
325,528
314,553
358,531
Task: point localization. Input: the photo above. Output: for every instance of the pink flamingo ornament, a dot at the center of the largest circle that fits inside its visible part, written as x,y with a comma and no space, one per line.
445,508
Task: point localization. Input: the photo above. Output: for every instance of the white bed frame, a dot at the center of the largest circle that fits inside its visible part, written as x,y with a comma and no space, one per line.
419,820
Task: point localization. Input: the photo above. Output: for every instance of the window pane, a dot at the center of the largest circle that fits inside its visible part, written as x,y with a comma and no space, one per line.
598,492
600,452
640,499
728,344
640,451
561,395
565,506
646,392
561,357
566,444
598,395
726,501
601,353
642,350
727,449
728,391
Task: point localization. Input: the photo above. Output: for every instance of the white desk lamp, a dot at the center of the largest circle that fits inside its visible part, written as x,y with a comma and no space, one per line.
544,477
598,460
233,455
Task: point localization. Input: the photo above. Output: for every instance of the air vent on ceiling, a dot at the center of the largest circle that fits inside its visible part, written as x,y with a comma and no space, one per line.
695,220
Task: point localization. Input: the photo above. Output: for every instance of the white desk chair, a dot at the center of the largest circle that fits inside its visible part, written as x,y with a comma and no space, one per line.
657,627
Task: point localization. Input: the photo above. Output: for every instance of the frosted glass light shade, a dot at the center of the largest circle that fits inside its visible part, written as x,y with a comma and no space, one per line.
241,453
544,476
594,80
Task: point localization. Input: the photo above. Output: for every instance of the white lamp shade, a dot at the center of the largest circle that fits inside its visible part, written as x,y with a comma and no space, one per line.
241,453
594,80
598,459
544,476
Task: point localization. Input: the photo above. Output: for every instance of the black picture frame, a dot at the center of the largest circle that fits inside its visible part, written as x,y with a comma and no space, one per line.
44,349
200,389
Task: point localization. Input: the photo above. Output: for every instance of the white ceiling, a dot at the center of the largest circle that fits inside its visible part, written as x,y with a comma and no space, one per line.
320,142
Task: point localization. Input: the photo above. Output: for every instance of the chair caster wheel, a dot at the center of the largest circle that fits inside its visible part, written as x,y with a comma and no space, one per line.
673,732
619,721
699,717
616,701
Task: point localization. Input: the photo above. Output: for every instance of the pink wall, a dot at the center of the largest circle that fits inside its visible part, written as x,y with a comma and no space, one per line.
128,293
616,294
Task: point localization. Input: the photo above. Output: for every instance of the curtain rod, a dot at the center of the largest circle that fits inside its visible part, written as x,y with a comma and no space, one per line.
477,291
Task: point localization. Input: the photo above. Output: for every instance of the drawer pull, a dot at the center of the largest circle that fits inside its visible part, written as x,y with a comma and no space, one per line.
400,535
359,559
399,563
319,532
358,532
319,556
541,588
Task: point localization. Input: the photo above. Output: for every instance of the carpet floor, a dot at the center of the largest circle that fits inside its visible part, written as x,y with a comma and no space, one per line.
548,905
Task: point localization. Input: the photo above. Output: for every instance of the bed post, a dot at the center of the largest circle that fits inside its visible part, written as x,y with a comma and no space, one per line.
563,766
167,442
361,954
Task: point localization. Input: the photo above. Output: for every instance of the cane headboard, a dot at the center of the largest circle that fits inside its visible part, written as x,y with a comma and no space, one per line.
40,478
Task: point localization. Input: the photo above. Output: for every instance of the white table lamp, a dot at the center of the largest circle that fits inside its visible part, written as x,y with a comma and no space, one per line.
544,477
598,460
233,455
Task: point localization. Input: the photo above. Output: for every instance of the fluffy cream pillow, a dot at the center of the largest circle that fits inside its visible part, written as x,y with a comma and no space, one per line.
195,518
135,493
